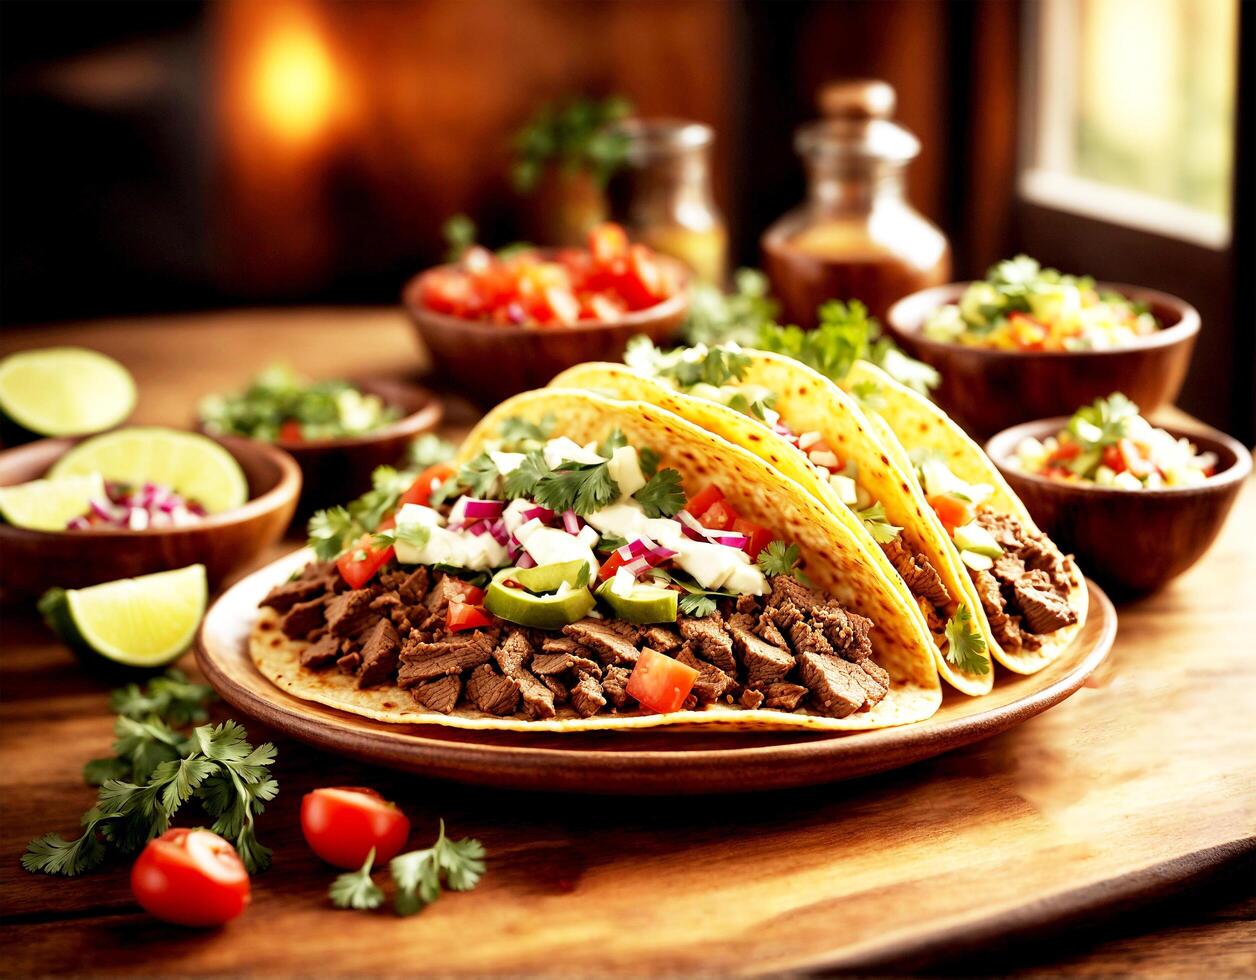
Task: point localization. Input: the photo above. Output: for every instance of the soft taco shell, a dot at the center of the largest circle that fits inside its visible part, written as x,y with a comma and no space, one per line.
810,402
916,423
836,561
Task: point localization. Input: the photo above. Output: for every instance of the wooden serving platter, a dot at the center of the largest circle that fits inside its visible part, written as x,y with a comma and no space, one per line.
646,762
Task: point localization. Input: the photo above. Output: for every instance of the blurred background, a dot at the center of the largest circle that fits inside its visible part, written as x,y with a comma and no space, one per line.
175,156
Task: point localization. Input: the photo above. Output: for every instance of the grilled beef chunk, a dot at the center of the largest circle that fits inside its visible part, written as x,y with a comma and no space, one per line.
447,587
322,653
788,589
410,585
556,688
379,655
304,618
350,614
783,695
1044,611
762,661
710,640
603,636
492,692
847,631
917,571
712,683
615,685
750,698
438,695
538,699
873,687
283,597
514,653
462,651
1008,569
1006,628
833,690
350,662
659,638
587,697
806,638
560,653
767,629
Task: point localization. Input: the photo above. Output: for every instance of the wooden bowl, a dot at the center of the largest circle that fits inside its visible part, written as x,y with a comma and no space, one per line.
489,362
1133,541
989,390
335,471
32,561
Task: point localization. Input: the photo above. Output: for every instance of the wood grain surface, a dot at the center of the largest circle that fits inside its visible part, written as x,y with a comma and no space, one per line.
1141,784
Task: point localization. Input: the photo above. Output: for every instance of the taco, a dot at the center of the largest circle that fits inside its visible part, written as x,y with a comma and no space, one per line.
811,431
1032,596
558,581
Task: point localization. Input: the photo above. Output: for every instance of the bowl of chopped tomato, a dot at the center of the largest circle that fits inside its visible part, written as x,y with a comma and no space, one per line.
500,323
988,388
1128,531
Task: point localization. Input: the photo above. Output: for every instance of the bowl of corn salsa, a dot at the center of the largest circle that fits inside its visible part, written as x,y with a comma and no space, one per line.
1037,343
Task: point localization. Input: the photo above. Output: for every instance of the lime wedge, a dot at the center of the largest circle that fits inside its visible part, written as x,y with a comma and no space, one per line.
48,505
191,464
65,391
141,622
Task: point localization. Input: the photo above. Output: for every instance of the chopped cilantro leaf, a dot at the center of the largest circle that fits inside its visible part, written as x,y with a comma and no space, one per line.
478,477
583,488
614,441
523,478
415,535
515,431
355,889
663,495
696,604
610,542
878,524
779,558
331,531
966,648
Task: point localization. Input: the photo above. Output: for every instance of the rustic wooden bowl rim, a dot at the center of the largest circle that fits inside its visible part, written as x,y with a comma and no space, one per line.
286,488
672,306
898,320
1001,445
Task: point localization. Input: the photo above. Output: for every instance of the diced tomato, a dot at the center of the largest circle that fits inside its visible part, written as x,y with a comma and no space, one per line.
951,510
759,536
1113,459
290,431
464,616
703,499
719,516
359,564
638,279
660,683
607,242
1067,451
611,565
561,305
420,491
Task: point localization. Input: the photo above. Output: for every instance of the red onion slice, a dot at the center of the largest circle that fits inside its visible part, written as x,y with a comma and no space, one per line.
571,523
525,560
475,509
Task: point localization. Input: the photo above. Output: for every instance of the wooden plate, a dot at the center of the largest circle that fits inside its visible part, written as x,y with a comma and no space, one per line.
659,762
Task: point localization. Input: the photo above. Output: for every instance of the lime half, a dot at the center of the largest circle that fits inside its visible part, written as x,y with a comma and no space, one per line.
49,505
193,465
141,622
65,391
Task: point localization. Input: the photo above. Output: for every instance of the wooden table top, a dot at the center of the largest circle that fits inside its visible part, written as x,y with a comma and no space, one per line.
1142,784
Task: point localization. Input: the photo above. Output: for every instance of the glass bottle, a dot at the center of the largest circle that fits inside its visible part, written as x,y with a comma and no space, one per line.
663,195
856,236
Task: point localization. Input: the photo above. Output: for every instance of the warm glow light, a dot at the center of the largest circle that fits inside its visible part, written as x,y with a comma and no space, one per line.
294,83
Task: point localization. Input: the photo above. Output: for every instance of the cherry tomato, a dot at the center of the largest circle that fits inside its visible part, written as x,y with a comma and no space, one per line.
700,501
719,516
660,683
342,823
191,878
951,510
420,491
359,564
290,431
464,616
760,536
1113,459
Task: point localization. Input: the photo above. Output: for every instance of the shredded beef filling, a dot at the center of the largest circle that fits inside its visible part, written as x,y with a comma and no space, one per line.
1025,594
789,650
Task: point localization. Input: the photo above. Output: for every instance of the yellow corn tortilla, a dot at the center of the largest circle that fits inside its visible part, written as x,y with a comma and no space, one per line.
809,402
908,422
836,561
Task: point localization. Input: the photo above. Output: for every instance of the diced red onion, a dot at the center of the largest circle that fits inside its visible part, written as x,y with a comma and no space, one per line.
78,524
479,527
637,566
525,561
475,509
633,549
544,514
101,511
662,553
571,523
731,539
691,527
498,530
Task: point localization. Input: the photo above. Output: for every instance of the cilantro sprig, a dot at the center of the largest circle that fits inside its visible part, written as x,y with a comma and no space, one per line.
878,525
779,558
663,494
582,487
966,648
1103,423
333,530
356,889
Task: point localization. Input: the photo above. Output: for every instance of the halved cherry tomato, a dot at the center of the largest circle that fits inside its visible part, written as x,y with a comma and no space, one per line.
359,564
660,683
420,491
760,536
951,510
342,823
191,878
465,616
703,499
290,431
719,516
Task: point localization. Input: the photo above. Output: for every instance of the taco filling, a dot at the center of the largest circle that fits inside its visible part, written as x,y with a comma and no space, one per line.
716,374
1022,578
547,577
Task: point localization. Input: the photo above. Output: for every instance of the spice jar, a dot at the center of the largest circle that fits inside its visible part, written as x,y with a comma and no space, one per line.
856,236
663,194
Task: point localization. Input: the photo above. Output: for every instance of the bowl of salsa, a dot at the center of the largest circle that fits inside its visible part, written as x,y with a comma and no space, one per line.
500,323
1029,342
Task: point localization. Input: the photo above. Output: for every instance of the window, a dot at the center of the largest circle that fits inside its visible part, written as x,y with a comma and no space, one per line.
1131,113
